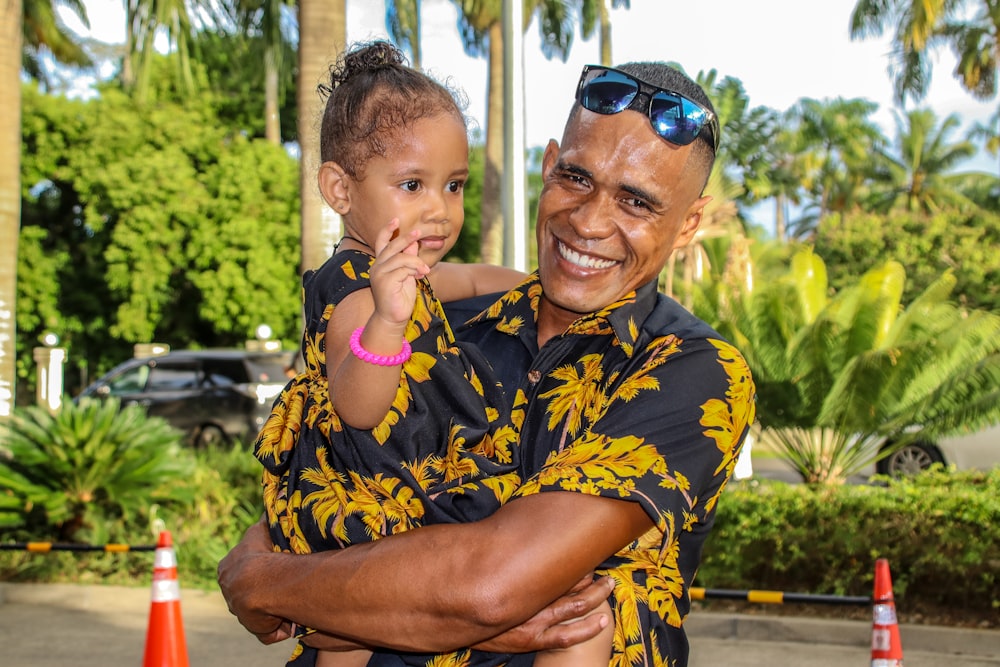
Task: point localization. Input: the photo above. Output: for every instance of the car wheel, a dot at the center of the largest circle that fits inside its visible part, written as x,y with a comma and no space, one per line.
209,435
910,460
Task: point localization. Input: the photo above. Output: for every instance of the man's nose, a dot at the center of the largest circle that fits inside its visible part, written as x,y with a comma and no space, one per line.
593,216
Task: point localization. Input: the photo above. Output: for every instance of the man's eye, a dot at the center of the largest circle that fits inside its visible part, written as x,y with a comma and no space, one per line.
635,202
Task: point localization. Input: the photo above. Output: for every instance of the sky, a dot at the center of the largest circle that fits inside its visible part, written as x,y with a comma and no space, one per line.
781,50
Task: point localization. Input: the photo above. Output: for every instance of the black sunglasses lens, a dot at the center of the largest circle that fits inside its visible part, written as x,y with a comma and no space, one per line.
676,119
607,92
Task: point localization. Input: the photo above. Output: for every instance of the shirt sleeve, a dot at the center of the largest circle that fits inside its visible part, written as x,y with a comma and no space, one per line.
665,432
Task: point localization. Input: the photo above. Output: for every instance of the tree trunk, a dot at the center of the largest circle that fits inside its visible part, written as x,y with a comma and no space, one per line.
10,194
780,225
605,34
272,119
322,34
491,230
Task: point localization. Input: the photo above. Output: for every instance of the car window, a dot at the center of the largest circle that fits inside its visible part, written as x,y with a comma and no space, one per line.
224,372
129,382
169,377
268,370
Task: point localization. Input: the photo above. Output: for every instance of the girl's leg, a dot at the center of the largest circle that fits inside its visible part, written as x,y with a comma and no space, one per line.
595,652
356,658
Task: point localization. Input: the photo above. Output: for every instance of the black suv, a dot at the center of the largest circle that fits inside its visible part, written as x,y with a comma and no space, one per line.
213,396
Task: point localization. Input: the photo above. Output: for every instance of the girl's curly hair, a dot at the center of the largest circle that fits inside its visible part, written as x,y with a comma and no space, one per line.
373,94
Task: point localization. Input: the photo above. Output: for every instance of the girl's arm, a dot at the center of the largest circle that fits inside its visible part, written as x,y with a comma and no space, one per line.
362,392
454,281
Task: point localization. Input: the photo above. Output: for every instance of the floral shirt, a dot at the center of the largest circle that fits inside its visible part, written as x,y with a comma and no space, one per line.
640,401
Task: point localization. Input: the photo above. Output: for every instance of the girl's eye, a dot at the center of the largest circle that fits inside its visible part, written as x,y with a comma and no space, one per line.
456,186
411,186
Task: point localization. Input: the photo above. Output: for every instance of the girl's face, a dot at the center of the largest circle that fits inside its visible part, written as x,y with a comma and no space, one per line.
420,180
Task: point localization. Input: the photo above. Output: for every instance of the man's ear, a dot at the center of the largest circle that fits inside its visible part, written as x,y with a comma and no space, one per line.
691,221
549,157
333,185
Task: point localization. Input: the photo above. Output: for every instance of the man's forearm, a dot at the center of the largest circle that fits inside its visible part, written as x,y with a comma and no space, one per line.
443,587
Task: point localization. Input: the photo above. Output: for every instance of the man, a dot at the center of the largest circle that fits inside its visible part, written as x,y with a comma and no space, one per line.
632,414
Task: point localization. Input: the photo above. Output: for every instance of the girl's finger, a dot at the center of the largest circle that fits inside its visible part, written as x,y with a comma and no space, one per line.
386,235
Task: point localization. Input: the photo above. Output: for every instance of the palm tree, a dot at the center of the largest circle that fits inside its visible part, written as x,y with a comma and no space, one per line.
835,141
43,31
10,194
322,33
595,13
402,21
263,19
974,36
481,27
919,178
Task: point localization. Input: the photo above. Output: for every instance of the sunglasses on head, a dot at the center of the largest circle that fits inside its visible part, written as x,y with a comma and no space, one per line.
676,118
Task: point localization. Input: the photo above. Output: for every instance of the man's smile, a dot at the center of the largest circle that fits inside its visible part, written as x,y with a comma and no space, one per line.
582,260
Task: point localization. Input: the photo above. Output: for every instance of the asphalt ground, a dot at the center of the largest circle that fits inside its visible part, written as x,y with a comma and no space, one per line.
61,625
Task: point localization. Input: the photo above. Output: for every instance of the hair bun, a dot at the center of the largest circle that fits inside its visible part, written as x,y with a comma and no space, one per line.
368,58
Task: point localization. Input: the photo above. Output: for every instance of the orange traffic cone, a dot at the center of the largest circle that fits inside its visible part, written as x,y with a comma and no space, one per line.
887,650
165,645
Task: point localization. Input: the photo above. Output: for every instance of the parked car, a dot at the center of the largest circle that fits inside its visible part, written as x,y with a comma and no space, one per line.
213,396
979,450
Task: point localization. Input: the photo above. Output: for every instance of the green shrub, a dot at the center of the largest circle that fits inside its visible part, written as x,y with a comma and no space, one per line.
940,532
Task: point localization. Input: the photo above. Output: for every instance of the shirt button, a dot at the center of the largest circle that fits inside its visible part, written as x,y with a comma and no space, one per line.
534,376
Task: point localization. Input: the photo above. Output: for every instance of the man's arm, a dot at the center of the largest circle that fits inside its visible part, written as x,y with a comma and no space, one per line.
439,587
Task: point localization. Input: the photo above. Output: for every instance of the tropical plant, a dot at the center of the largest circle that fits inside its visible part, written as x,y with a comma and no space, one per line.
971,29
921,177
45,33
84,466
595,13
402,21
839,376
835,140
263,21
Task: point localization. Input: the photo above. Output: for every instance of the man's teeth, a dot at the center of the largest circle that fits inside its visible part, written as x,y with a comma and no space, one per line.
585,261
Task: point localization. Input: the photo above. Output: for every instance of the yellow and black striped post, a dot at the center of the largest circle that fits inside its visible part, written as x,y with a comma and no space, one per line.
776,597
47,547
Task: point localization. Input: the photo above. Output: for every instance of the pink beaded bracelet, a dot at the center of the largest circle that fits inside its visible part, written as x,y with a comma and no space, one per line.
378,359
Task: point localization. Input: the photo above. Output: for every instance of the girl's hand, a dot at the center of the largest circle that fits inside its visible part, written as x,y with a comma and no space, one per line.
395,273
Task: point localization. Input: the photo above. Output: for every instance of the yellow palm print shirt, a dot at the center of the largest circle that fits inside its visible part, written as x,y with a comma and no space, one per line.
640,401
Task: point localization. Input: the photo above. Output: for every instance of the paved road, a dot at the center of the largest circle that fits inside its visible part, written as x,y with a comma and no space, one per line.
54,625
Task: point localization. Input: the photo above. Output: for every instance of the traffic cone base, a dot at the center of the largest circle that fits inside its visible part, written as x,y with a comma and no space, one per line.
887,650
165,644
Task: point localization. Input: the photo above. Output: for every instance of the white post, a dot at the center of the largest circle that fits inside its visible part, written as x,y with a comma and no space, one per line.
49,389
515,210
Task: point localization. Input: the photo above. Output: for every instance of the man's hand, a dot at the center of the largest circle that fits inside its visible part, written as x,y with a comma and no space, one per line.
554,627
239,576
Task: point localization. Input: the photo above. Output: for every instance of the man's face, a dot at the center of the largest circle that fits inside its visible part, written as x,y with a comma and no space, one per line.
616,201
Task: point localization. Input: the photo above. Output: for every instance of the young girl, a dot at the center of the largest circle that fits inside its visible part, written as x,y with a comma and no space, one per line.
393,424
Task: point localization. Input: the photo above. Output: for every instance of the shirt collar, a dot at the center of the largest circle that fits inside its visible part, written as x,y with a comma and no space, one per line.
518,309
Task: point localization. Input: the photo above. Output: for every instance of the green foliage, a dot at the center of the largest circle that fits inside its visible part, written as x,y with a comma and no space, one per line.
838,376
88,465
965,243
151,222
234,68
221,498
939,531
